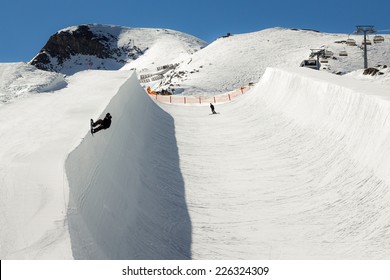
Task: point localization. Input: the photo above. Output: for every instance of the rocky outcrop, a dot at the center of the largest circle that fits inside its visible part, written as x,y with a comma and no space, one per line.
80,45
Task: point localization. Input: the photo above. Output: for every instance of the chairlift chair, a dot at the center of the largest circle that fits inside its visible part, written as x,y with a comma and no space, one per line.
378,39
351,42
368,42
328,54
343,53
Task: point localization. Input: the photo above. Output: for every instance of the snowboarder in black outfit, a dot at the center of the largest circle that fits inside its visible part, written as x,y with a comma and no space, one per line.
101,123
212,108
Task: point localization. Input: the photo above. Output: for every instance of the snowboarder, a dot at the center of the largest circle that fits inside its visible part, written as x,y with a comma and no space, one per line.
212,108
103,124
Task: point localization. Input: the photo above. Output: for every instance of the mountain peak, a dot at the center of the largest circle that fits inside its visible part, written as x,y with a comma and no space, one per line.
98,46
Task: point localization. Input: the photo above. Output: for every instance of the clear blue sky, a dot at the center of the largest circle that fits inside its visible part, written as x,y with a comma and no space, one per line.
26,25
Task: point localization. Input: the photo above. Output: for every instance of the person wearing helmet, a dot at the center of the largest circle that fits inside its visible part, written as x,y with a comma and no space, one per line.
101,123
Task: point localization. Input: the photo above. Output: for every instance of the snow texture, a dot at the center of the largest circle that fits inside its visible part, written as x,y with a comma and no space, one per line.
296,168
124,45
229,63
20,79
126,189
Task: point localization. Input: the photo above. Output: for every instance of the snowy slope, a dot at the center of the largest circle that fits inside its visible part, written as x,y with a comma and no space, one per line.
292,170
196,68
37,134
297,168
111,47
21,79
229,63
127,196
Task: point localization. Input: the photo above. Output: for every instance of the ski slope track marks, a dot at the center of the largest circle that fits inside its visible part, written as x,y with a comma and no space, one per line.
126,190
297,168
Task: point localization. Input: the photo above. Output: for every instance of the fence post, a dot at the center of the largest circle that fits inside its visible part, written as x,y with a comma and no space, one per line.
200,100
214,99
229,97
170,99
185,101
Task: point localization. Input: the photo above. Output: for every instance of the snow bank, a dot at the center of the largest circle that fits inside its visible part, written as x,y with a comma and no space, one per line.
353,112
126,189
37,134
294,169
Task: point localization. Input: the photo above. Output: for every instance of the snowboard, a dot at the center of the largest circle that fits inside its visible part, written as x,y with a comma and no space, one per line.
92,126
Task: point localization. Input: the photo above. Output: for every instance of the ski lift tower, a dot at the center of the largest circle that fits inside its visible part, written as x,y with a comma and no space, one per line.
365,29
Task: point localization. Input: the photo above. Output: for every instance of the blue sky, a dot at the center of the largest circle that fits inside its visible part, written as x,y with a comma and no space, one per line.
26,25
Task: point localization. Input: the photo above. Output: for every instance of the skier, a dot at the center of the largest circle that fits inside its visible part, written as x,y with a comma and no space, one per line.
212,108
103,124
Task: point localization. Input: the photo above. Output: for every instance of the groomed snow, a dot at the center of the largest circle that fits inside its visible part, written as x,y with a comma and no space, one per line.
37,134
296,168
127,195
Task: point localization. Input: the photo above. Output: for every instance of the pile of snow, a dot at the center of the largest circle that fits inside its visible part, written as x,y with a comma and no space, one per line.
21,79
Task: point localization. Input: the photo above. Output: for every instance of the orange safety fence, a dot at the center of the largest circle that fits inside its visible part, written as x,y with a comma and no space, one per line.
223,98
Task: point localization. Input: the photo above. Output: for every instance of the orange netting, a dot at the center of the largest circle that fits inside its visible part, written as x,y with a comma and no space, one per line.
226,97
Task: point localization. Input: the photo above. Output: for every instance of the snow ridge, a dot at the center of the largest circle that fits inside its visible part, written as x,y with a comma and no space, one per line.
351,110
126,190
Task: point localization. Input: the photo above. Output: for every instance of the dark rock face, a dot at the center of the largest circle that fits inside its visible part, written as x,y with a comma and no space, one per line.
64,45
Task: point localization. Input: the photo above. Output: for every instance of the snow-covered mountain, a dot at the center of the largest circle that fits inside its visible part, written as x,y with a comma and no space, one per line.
107,47
183,64
296,168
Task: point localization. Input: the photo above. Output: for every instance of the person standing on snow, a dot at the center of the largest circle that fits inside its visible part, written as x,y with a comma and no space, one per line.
212,108
102,124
